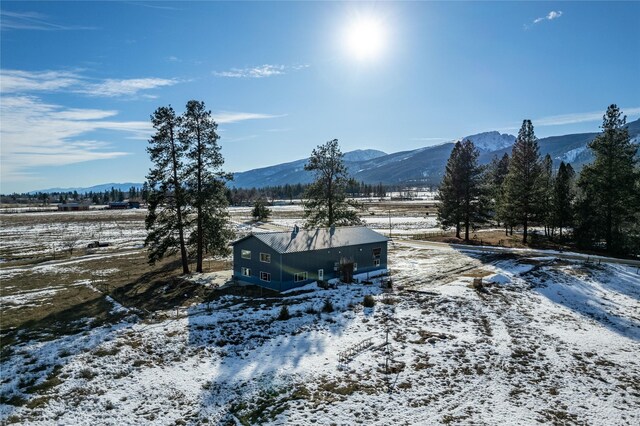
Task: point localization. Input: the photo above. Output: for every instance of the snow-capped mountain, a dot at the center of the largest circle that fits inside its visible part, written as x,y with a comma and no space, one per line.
425,166
491,141
363,155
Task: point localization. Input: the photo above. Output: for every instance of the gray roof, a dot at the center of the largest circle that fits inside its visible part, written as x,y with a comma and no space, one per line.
318,239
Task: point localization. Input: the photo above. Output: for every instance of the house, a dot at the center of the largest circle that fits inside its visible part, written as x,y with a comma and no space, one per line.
285,260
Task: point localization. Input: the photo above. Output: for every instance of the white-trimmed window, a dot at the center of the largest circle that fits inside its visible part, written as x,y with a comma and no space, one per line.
265,257
376,262
355,267
300,276
321,274
246,272
265,276
335,266
246,254
376,252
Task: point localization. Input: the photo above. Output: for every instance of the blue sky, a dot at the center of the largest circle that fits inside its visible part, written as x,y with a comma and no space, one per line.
80,79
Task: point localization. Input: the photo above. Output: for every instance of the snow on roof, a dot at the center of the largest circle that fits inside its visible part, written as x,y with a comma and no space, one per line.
318,238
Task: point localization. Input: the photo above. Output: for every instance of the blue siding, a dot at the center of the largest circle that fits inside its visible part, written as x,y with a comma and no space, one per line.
283,267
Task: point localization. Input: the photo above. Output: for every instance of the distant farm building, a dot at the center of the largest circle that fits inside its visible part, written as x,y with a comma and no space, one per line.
118,205
72,207
285,260
122,205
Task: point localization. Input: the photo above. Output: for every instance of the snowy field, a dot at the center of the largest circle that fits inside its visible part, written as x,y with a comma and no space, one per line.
543,341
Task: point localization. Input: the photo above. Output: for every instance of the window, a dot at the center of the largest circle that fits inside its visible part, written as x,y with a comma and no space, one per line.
246,272
246,254
265,276
265,257
321,274
300,276
376,262
376,252
335,266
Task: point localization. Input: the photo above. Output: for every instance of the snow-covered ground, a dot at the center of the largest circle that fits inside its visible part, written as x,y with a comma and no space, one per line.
543,341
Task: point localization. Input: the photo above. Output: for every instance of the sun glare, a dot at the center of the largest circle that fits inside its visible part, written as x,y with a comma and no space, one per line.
365,38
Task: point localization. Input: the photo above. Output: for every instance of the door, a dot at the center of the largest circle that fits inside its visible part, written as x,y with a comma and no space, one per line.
347,273
320,274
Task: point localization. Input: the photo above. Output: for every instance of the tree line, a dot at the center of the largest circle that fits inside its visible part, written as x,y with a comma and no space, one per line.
598,208
94,197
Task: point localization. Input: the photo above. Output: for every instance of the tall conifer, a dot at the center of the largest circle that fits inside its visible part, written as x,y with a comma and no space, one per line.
607,184
522,191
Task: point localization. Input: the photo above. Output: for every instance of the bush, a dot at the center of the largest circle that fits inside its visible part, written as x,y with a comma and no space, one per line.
284,313
328,306
369,301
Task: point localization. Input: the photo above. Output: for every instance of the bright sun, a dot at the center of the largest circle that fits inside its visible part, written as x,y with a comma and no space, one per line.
365,38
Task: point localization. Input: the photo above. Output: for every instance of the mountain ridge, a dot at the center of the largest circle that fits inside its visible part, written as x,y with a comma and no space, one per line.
421,166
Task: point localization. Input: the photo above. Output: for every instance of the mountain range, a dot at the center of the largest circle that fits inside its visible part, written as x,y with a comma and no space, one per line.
422,166
425,166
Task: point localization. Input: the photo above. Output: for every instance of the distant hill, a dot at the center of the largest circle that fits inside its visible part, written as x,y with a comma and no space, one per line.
96,188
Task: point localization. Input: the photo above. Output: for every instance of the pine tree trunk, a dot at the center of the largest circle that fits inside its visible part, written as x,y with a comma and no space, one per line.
458,230
524,234
200,200
179,203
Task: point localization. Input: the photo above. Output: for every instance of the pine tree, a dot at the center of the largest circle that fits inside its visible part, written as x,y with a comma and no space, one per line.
260,210
563,196
607,184
450,194
168,210
521,185
546,193
325,201
462,196
497,172
204,168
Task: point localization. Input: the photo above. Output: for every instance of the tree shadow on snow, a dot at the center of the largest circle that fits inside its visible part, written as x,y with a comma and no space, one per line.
603,293
253,349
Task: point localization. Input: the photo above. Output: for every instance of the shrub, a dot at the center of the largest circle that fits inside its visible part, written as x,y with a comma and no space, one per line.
369,301
328,306
284,313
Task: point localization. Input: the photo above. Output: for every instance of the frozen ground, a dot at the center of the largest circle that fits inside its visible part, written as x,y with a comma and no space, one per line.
545,341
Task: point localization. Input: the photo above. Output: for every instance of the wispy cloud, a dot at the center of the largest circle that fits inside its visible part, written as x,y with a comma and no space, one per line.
226,117
11,20
260,71
36,134
25,82
581,117
550,16
114,87
154,5
12,81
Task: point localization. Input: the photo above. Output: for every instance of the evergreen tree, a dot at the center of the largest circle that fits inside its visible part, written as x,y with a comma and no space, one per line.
325,201
204,168
563,196
144,193
166,220
462,195
546,193
607,184
260,210
521,185
450,193
497,172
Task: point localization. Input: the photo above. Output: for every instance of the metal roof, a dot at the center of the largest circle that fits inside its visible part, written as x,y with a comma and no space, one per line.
317,239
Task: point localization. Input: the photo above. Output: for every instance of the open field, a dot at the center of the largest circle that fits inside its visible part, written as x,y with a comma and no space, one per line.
93,336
